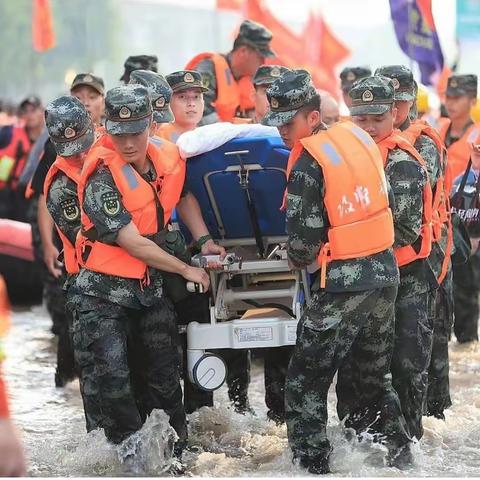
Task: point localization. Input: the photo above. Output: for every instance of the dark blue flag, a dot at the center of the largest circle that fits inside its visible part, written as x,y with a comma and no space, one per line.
418,38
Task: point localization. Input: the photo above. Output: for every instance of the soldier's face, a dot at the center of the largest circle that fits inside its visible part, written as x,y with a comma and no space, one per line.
33,116
403,109
261,102
251,60
459,106
300,126
93,101
132,147
377,126
187,107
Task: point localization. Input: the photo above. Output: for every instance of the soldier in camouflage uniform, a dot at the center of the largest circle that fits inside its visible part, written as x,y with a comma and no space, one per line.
348,76
124,329
138,62
351,321
373,110
250,49
440,300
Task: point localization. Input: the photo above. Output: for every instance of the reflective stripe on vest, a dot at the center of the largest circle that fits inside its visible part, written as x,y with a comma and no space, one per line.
356,195
232,95
72,170
407,254
13,158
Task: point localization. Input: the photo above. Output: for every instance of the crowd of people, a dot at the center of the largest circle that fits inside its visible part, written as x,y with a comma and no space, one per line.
98,174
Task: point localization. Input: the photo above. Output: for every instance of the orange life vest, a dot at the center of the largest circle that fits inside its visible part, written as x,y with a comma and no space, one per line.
459,151
139,197
72,171
13,158
407,254
4,319
441,217
232,95
356,195
167,131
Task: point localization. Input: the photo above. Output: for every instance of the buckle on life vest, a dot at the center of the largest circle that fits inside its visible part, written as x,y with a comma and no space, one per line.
324,259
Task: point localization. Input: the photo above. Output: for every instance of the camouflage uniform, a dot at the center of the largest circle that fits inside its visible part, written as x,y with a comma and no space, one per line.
413,328
138,62
251,34
440,305
347,327
466,277
124,331
349,75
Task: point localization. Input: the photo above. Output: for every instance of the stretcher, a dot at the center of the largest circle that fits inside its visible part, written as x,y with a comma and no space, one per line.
256,300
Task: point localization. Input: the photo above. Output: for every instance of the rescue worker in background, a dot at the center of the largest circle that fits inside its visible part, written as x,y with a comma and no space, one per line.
429,145
229,77
138,62
188,105
191,307
17,142
423,107
330,109
348,76
12,460
262,80
336,196
461,95
124,328
72,133
88,88
373,109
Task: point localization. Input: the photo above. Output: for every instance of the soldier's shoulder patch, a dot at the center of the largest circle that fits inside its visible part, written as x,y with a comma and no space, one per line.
70,209
111,203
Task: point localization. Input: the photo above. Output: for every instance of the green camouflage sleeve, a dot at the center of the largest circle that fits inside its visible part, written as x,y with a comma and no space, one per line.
306,215
426,147
103,205
407,179
63,206
207,69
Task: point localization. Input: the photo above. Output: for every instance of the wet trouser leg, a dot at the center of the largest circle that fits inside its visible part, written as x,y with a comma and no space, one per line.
238,376
466,289
102,334
276,366
438,393
192,309
326,334
412,352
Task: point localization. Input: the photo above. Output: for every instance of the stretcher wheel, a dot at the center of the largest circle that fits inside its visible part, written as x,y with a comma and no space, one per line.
210,372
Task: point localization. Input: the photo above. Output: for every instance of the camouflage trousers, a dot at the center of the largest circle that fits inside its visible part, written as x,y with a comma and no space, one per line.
352,333
412,351
466,289
438,392
128,363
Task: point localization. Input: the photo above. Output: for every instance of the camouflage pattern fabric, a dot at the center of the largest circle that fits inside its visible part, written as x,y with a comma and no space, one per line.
458,85
438,392
185,80
138,62
129,364
349,75
372,96
307,227
267,74
352,329
104,207
402,79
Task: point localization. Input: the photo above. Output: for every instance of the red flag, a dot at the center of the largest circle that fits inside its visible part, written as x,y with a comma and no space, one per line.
230,4
43,35
425,7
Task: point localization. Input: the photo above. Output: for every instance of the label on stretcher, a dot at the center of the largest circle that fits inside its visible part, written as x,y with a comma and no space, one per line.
292,333
253,334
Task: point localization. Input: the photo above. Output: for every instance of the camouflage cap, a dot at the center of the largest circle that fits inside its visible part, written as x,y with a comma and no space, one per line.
31,100
160,93
402,79
69,126
287,95
184,80
89,80
267,74
372,96
349,75
127,110
459,85
255,35
139,62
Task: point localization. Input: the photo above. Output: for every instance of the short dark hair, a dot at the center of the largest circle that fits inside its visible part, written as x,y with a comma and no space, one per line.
312,105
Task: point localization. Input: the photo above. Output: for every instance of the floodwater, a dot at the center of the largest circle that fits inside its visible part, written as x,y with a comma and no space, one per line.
223,443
